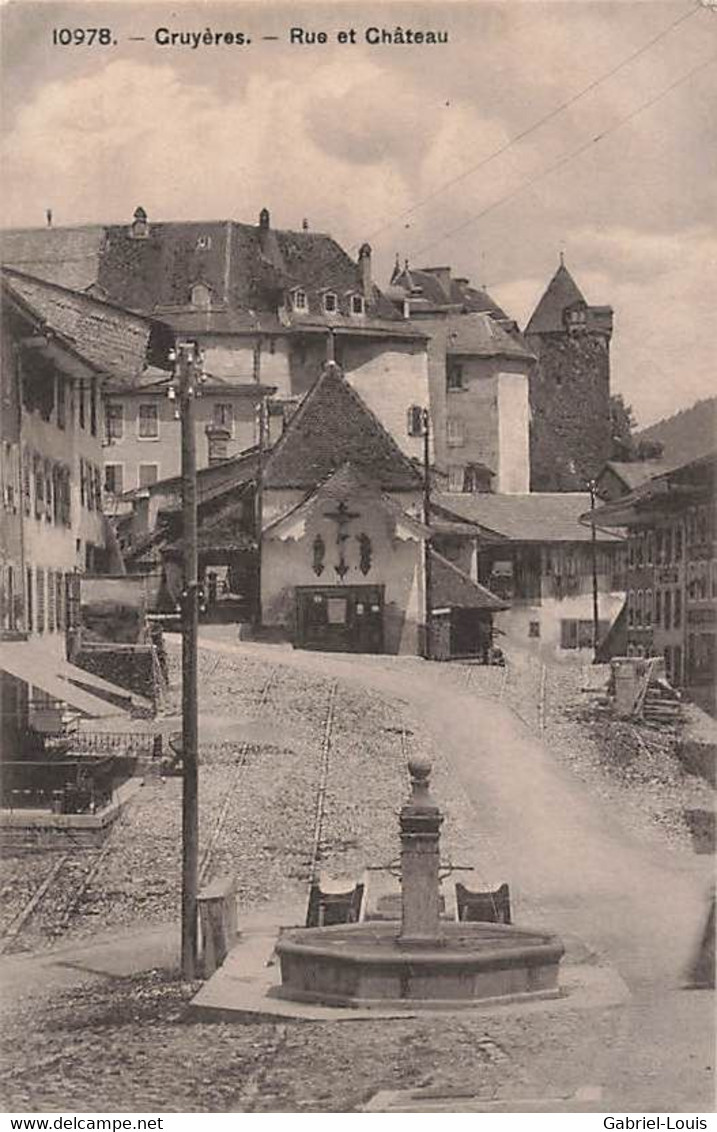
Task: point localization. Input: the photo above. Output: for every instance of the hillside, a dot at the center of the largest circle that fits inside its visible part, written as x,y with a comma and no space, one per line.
688,434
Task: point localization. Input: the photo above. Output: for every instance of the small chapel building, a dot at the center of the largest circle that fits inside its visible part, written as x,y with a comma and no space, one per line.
344,545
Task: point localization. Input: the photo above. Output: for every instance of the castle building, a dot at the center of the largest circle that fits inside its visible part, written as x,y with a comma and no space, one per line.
478,369
569,387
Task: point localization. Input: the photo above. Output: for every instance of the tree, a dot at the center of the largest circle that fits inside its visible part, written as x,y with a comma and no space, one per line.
622,423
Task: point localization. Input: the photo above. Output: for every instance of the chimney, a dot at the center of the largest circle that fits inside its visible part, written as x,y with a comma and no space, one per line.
140,224
218,437
304,225
48,217
365,270
264,219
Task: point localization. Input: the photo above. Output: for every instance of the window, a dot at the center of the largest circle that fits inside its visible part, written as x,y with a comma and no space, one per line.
330,303
115,421
200,296
678,544
39,488
648,608
40,583
148,474
668,547
658,607
668,609
576,634
59,595
299,300
81,403
148,421
631,608
677,610
204,243
534,629
638,610
357,304
456,477
93,407
223,415
649,550
454,375
414,424
51,591
114,479
61,401
640,550
455,432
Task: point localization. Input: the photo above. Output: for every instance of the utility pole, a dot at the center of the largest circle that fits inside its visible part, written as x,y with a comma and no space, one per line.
593,543
426,423
188,374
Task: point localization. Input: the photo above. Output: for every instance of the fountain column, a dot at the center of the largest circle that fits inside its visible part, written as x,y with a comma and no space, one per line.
420,822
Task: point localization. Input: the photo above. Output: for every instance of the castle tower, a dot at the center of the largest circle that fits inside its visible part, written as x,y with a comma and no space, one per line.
569,388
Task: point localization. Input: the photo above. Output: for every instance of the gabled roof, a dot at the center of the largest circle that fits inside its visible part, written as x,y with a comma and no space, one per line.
550,516
247,268
114,341
562,292
635,472
331,427
452,588
479,335
356,484
672,490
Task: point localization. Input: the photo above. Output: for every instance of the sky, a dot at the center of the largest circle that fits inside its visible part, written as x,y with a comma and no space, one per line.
580,127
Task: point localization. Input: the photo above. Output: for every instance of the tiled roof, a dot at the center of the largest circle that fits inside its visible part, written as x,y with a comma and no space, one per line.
535,517
452,589
479,335
331,427
562,292
459,292
636,472
247,269
112,340
687,483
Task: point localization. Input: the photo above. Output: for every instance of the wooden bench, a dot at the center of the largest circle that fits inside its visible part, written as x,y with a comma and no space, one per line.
492,907
334,901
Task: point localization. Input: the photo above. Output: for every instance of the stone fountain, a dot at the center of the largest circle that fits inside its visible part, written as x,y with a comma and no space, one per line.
421,960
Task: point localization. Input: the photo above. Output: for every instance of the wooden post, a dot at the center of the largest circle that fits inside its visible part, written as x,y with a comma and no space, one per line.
427,520
593,543
188,372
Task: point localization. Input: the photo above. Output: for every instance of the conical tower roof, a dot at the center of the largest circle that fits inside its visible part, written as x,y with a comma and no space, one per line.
562,291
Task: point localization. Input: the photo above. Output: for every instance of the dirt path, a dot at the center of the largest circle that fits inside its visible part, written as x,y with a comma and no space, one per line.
573,867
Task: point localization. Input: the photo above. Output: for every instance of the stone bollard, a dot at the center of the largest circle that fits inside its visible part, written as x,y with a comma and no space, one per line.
217,921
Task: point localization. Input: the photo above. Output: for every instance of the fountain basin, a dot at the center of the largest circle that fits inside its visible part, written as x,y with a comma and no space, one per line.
366,965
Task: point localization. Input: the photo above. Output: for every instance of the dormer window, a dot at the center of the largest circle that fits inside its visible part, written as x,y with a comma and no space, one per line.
357,304
204,243
330,303
201,296
299,300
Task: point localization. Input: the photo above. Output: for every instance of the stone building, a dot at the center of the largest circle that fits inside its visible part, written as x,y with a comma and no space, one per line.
267,307
59,349
672,572
479,369
570,434
534,552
